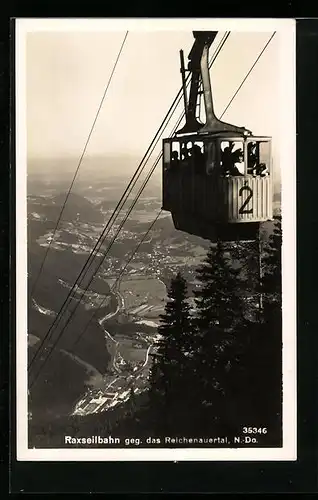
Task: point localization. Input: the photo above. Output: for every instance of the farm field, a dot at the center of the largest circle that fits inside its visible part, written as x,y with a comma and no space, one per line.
132,350
140,293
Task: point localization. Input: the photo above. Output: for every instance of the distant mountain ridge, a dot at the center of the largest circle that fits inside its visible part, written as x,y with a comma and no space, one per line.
77,208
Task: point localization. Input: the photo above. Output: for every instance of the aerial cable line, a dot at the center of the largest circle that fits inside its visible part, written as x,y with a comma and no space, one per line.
99,265
70,293
145,182
132,255
248,73
141,241
139,244
156,162
108,227
179,96
79,163
120,204
96,270
109,223
91,279
235,94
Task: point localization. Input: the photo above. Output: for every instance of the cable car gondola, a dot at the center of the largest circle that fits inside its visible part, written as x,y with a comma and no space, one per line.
217,177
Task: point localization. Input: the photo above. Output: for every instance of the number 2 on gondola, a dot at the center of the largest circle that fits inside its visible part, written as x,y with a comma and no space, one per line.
243,209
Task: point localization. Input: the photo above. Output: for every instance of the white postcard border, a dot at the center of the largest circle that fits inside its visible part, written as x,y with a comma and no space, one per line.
286,31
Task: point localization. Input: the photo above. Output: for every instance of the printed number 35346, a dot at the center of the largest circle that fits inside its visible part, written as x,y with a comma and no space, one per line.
254,430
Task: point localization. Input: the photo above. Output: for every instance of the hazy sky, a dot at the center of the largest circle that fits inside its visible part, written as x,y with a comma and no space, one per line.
67,72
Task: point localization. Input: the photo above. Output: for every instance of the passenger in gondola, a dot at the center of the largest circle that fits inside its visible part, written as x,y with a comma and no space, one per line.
262,170
185,156
210,162
227,160
174,161
237,163
198,159
251,158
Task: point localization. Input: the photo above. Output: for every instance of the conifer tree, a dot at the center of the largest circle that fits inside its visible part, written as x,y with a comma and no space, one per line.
219,321
261,358
248,256
218,300
272,278
271,382
132,399
168,393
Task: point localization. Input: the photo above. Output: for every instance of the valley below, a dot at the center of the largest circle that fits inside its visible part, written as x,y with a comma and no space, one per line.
104,340
92,334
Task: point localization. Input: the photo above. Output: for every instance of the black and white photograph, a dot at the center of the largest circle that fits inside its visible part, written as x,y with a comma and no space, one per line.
155,229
